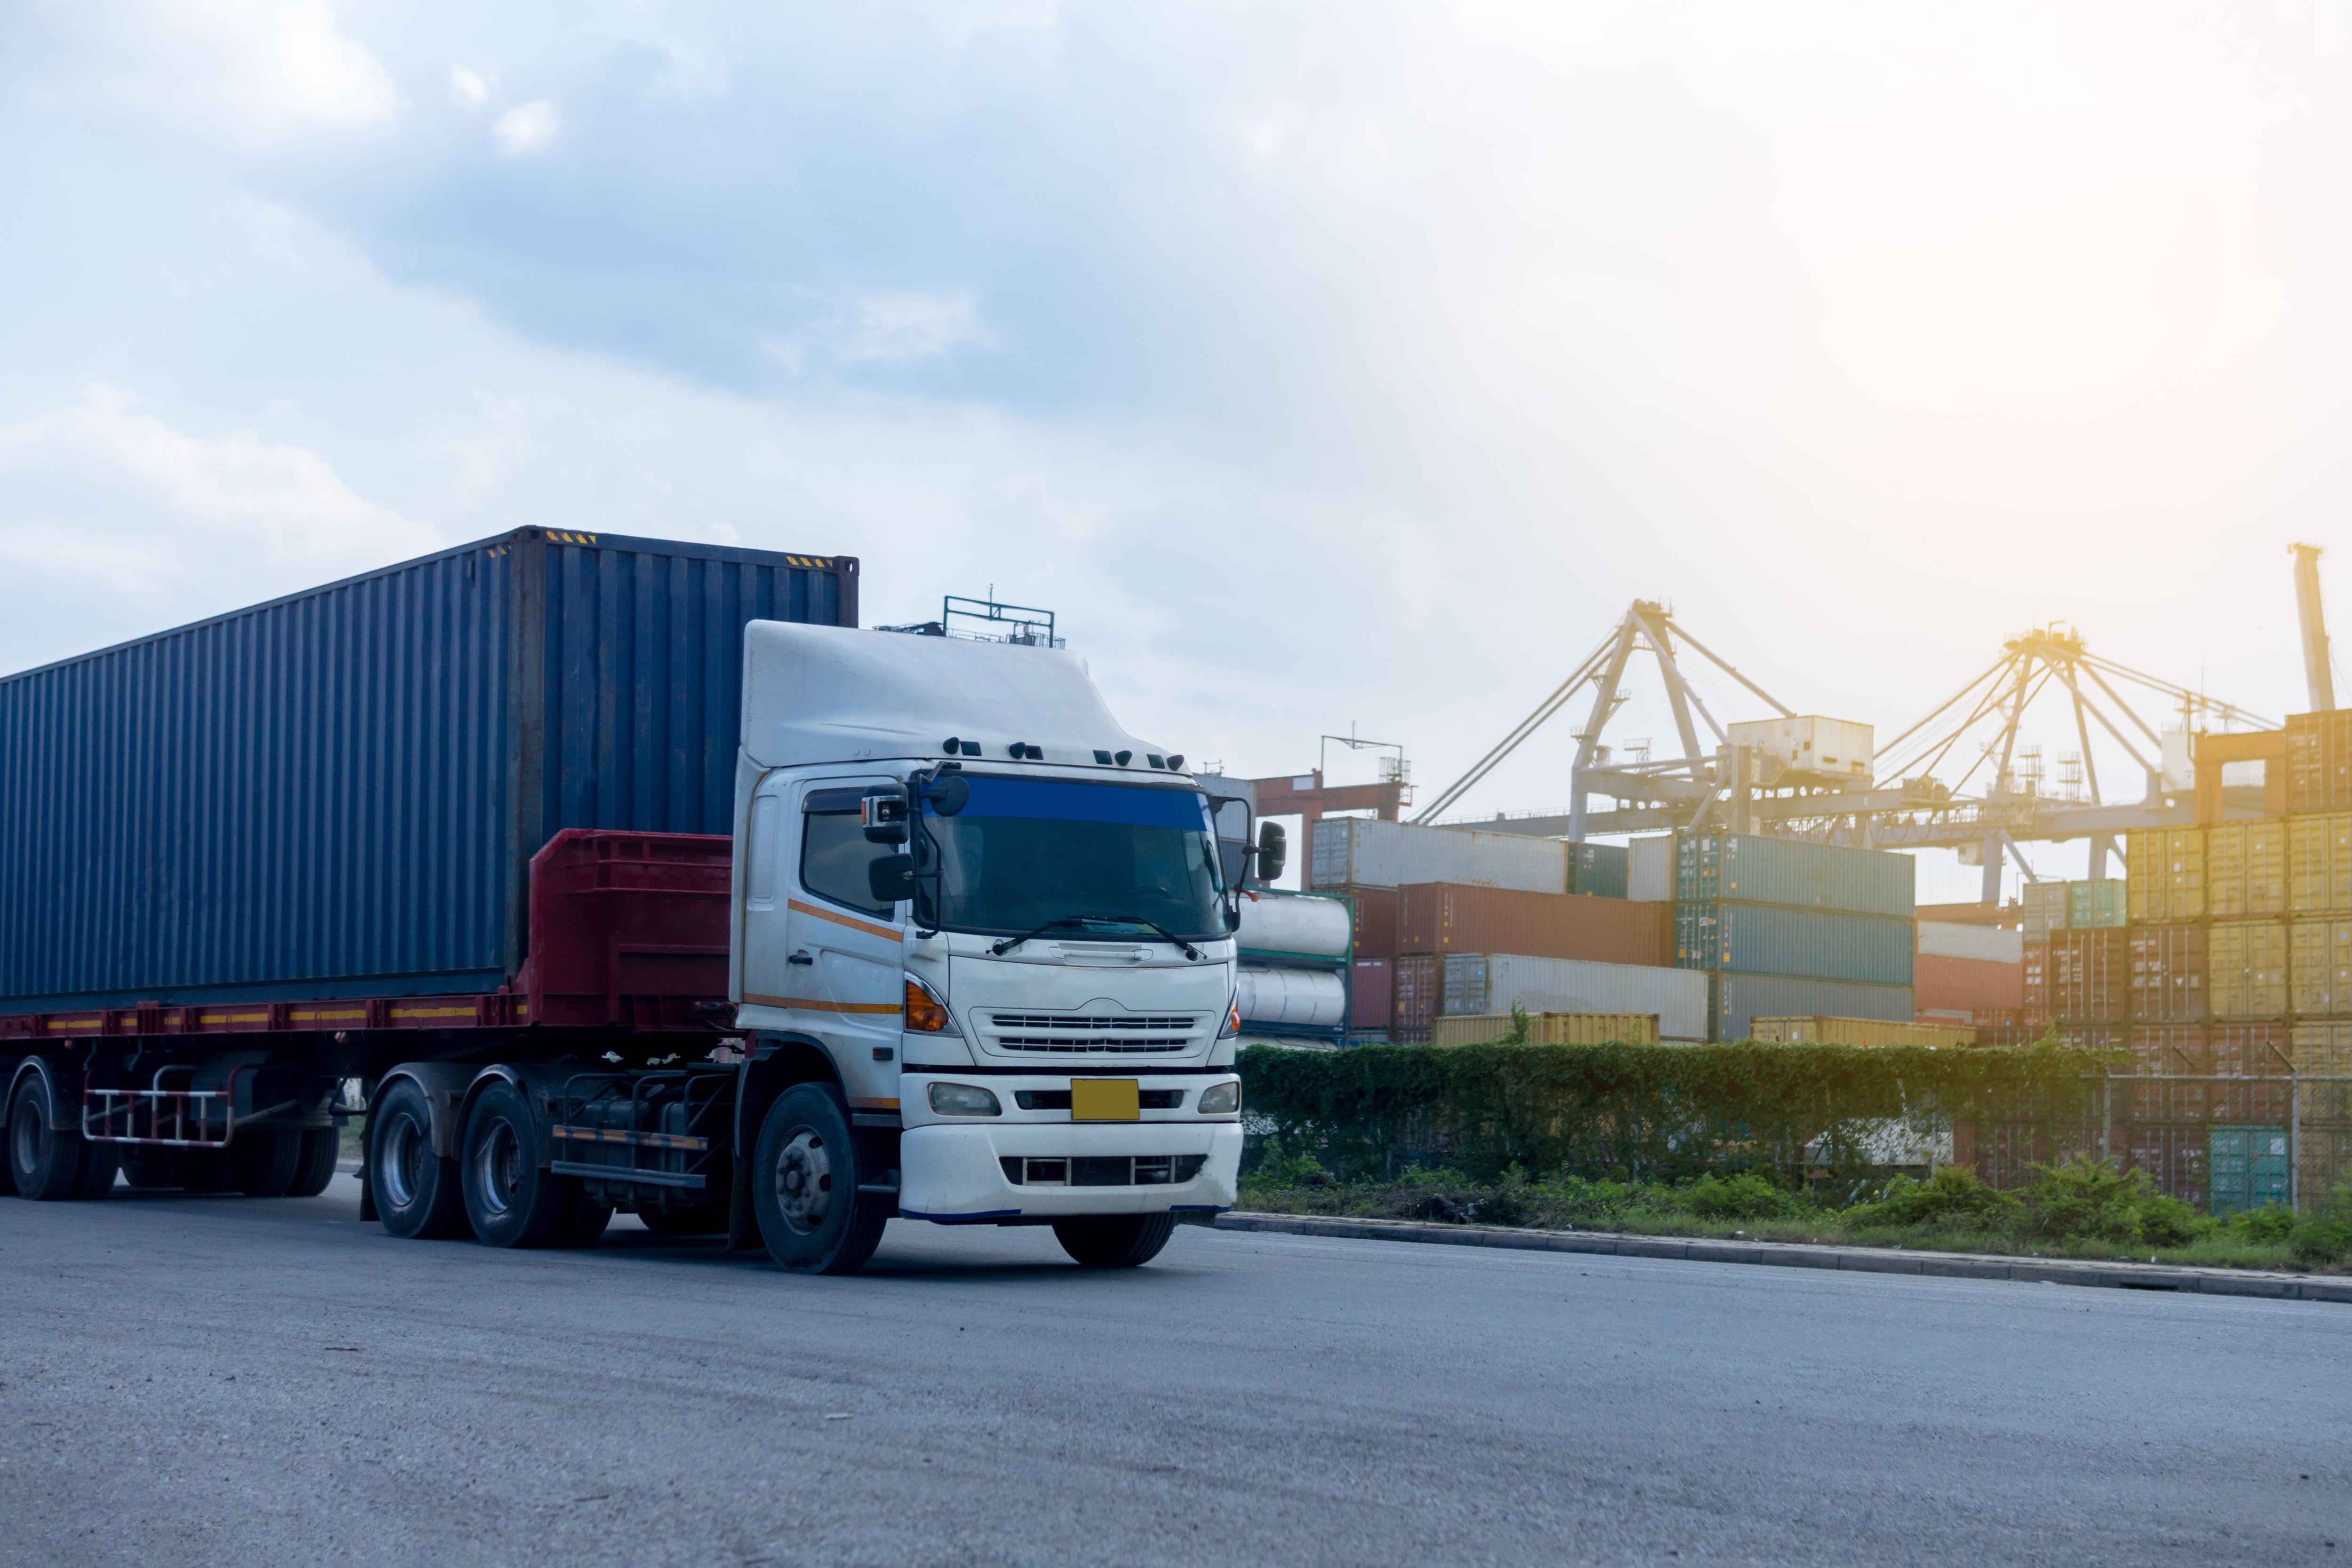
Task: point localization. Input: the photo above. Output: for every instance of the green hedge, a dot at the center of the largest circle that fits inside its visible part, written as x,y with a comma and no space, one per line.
1647,1112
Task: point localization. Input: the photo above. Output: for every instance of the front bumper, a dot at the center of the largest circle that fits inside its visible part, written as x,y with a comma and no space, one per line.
955,1173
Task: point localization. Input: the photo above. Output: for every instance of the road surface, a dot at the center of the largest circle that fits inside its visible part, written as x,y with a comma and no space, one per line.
215,1380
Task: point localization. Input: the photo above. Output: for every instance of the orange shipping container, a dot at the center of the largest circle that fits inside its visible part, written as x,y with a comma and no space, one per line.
1965,985
2167,974
1447,918
2165,1049
2089,977
2252,1051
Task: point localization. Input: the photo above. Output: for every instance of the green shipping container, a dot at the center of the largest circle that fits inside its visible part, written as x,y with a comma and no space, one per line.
1598,870
2095,906
1809,944
1745,868
2245,1169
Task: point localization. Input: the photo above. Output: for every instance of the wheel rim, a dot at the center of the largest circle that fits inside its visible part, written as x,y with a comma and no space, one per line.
400,1164
804,1182
498,1168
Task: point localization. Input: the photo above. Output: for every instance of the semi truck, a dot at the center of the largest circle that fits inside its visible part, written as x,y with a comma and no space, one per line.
594,875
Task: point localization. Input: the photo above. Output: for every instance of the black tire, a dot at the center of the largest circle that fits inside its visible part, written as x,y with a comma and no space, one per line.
1114,1241
149,1169
701,1221
804,1179
511,1198
99,1162
417,1193
203,1170
265,1162
585,1223
315,1168
45,1164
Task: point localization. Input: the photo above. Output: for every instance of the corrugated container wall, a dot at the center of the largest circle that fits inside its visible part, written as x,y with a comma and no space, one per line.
1549,1029
1372,994
1739,999
2319,761
2090,976
2043,906
339,792
1746,868
2168,973
1984,944
2165,871
1362,851
1813,1030
1601,870
2245,870
1493,982
1965,985
2246,965
1439,917
2320,865
1771,939
2319,968
2104,905
1420,992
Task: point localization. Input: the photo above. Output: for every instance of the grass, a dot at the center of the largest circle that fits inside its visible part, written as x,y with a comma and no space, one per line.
2082,1210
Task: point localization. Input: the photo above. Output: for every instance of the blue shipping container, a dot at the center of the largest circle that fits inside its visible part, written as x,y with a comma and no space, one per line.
1746,868
1598,869
1739,998
338,793
1817,944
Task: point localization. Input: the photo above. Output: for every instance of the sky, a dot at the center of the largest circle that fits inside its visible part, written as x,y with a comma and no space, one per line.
1321,365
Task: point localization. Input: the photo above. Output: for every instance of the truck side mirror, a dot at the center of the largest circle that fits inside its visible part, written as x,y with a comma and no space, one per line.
1272,851
891,878
883,814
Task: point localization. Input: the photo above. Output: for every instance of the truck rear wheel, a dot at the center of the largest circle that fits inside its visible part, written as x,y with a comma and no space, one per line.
315,1168
265,1162
511,1198
45,1164
804,1179
417,1193
1114,1241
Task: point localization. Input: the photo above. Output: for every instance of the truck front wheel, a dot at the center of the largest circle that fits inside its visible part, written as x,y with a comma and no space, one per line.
1115,1241
804,1178
417,1191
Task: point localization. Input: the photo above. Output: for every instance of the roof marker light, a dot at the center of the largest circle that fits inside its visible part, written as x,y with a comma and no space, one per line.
1124,758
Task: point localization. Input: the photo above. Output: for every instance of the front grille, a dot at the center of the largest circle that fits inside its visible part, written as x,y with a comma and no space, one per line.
1103,1170
1095,1034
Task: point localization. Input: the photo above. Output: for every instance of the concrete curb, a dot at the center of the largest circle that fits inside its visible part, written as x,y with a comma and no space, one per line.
1793,1255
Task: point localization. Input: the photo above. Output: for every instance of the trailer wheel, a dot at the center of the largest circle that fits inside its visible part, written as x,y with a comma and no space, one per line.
45,1163
804,1181
416,1191
99,1162
1114,1241
512,1200
266,1162
315,1168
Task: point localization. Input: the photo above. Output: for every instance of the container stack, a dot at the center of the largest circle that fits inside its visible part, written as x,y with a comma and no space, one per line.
1785,928
1296,951
1967,974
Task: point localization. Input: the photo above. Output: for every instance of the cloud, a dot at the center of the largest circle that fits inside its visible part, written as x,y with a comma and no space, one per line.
469,88
526,127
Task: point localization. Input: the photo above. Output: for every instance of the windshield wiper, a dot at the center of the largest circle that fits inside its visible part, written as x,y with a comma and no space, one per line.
1189,951
1009,943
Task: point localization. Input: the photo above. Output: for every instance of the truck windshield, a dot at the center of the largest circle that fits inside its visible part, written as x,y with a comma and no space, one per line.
1025,852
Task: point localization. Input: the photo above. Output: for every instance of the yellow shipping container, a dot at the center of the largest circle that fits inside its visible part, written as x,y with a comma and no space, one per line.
2319,865
2319,968
2246,969
1549,1028
2245,870
2164,872
1858,1031
2323,1048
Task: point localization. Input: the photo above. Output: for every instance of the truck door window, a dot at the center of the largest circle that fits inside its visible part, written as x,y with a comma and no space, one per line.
834,852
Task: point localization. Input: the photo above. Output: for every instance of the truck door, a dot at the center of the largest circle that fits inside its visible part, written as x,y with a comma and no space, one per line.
846,965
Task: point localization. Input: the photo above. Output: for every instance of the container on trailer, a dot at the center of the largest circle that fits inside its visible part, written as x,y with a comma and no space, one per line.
1650,869
2319,967
1442,917
1419,997
1371,995
1737,999
2251,1049
1979,943
2246,870
305,752
1495,982
1971,984
2164,869
1311,928
1774,939
1361,852
1549,1029
1748,868
1814,1030
2319,761
2180,1050
2100,905
2090,974
2246,969
2168,981
1599,870
2322,1049
1275,998
2043,907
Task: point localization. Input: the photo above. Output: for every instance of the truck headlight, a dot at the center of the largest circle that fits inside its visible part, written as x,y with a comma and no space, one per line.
925,1014
963,1100
1221,1099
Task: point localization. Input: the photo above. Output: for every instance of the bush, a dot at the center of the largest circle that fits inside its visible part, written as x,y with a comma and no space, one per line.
1743,1196
1953,1197
2268,1224
2324,1237
2090,1199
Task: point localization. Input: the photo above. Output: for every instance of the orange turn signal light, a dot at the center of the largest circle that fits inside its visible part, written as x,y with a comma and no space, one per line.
924,1013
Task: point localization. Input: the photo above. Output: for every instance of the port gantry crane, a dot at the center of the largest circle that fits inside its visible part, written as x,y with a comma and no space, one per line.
1899,803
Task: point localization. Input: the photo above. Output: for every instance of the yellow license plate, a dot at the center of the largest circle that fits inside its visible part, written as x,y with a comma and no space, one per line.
1105,1099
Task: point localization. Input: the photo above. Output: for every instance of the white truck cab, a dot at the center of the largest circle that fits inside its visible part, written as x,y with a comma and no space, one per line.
1003,922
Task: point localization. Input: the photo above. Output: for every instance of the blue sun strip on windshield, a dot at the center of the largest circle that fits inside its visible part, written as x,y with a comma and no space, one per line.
1053,801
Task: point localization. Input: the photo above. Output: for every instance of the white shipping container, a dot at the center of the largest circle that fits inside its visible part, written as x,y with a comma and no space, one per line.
1300,923
1359,851
1650,869
1495,982
1292,998
1986,943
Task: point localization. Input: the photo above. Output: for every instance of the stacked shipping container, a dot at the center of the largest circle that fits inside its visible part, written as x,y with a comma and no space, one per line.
1788,928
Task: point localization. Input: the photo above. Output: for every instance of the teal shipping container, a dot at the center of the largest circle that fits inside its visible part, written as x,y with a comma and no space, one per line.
2095,906
2246,1168
1816,944
1733,999
1746,868
1600,870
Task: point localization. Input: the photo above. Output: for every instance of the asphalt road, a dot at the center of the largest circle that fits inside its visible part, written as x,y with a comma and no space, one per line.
225,1380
